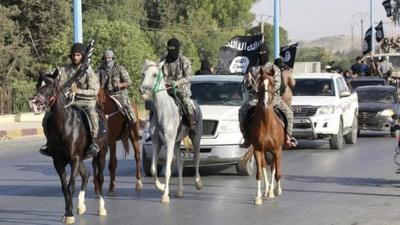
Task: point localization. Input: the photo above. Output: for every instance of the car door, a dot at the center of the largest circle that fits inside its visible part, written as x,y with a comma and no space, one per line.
346,103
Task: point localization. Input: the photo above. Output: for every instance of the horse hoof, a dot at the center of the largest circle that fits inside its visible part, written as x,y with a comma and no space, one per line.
68,219
277,192
164,199
258,201
139,185
199,185
265,194
102,212
271,194
111,193
179,194
81,210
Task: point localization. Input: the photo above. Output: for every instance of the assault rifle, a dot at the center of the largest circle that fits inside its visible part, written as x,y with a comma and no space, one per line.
82,69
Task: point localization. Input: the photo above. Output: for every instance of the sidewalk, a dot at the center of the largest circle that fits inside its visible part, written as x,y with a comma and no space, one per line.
20,125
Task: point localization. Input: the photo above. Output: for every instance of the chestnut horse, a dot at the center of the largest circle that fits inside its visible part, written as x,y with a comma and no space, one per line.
266,135
120,129
68,141
289,82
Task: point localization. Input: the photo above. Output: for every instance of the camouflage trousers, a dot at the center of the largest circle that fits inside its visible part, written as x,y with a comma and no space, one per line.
90,109
184,97
277,102
126,103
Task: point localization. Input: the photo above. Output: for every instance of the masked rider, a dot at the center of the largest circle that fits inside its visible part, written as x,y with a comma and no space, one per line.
116,80
250,83
177,71
86,89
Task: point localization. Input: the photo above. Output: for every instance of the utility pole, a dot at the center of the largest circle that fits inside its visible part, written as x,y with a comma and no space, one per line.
277,4
361,16
372,27
78,21
352,24
263,18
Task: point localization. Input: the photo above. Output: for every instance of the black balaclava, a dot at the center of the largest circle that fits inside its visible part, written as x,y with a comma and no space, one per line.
173,50
263,54
205,64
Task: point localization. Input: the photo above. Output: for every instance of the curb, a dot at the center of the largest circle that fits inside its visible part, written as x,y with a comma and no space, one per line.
17,133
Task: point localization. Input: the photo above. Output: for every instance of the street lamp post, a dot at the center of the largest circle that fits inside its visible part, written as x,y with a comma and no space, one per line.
276,28
361,16
263,18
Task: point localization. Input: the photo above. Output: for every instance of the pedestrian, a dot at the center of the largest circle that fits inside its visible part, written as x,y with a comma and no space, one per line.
205,68
86,89
116,80
386,68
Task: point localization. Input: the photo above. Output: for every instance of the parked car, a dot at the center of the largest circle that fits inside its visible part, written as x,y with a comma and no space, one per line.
323,107
365,81
219,97
376,106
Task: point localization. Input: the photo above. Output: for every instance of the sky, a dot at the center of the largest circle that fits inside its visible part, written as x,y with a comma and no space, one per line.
314,19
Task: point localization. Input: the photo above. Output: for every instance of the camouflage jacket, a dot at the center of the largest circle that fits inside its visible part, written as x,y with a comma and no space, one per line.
117,74
88,85
254,73
179,71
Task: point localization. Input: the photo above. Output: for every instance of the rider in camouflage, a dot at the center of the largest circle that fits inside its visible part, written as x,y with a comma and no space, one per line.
86,89
177,71
250,84
116,80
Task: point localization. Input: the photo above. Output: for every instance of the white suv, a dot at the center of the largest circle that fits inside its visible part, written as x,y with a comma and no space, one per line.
219,97
323,107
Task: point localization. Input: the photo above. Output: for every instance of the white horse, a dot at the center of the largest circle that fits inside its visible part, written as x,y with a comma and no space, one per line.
166,128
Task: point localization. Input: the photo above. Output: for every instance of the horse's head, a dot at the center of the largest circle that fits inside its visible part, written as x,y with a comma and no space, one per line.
266,84
152,79
47,89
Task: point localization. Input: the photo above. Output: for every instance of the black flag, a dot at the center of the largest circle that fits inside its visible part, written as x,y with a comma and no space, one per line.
388,7
238,55
379,35
367,45
288,54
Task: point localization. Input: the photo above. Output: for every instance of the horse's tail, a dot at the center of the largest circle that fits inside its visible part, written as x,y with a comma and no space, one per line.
125,145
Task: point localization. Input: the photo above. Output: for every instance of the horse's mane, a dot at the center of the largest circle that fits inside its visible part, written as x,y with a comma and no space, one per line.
147,63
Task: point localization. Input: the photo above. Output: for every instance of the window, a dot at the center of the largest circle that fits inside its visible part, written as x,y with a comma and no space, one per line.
314,87
218,93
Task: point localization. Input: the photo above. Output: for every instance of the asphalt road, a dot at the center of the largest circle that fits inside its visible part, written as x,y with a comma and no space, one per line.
354,186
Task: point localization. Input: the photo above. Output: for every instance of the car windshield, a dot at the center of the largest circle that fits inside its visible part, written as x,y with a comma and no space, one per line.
314,87
358,83
377,96
218,93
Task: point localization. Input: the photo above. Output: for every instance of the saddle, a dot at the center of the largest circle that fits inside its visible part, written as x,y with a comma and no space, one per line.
181,109
279,113
102,124
120,107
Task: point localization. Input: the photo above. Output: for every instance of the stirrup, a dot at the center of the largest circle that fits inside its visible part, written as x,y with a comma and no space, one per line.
44,150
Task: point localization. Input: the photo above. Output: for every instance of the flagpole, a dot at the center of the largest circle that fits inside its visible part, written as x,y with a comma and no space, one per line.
372,27
276,28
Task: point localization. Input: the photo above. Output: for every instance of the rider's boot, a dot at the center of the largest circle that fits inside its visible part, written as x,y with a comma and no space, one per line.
44,150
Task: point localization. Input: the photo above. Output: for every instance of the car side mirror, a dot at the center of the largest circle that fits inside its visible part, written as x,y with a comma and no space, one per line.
344,93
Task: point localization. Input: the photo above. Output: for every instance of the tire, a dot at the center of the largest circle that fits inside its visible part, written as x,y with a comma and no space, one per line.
246,167
351,137
336,141
146,164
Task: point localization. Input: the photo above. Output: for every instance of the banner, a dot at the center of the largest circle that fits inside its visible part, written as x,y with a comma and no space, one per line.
379,35
367,47
288,54
388,7
238,55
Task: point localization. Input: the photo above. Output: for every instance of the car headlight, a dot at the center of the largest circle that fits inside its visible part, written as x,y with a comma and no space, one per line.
326,109
230,126
387,112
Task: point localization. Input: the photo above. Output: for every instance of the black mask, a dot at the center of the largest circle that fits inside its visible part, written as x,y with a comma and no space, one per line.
263,54
173,50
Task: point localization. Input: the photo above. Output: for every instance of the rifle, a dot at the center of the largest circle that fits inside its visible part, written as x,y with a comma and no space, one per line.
82,69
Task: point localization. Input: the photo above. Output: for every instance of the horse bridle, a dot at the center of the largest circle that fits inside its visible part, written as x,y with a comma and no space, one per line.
156,87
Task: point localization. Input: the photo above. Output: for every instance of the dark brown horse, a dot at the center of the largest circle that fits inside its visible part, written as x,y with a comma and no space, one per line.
267,135
120,129
68,141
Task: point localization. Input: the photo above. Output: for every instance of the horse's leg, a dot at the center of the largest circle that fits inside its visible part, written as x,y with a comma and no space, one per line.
196,149
278,175
179,163
112,167
81,197
134,137
273,171
258,156
95,180
154,162
170,153
101,161
67,218
265,173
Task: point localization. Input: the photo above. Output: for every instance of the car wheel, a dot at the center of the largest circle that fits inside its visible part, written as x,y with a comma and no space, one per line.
336,141
351,137
146,164
246,167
